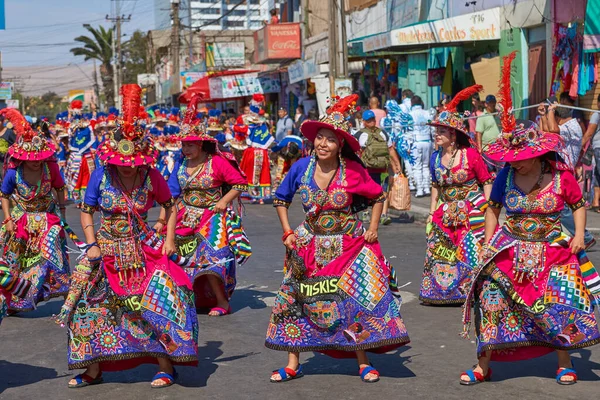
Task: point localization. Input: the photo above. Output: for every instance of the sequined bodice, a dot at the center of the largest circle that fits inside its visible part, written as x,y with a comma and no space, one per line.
37,197
199,189
458,175
544,202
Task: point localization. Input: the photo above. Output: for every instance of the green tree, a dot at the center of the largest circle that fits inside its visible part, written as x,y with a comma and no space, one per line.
98,46
47,105
135,57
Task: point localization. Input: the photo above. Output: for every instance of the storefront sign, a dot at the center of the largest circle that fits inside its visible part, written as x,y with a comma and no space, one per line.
277,42
381,41
6,90
12,104
189,78
301,70
227,54
225,87
483,25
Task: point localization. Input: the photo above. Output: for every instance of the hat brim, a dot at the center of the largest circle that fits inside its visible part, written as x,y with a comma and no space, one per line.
497,152
193,138
22,155
109,156
238,145
437,124
311,128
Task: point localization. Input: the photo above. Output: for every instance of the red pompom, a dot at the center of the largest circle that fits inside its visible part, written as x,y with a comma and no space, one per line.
76,105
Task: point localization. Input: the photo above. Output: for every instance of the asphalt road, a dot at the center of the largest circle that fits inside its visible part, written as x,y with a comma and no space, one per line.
234,364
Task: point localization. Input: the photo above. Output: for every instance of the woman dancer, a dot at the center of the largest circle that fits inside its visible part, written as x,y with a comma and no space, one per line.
32,237
460,182
135,306
535,291
208,230
339,294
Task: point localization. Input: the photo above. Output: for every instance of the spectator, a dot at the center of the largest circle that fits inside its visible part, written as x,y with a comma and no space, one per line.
299,119
558,119
378,112
422,136
476,111
313,115
567,100
406,105
285,125
486,128
274,18
377,154
591,134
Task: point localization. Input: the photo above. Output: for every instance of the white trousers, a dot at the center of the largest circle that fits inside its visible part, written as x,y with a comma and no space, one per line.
420,170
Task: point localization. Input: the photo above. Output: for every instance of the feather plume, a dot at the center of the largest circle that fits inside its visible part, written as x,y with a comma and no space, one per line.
462,96
257,97
20,124
343,105
132,98
76,104
507,118
192,109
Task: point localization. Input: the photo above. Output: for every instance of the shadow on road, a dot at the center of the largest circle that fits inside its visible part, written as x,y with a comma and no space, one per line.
390,365
43,310
248,297
546,367
16,375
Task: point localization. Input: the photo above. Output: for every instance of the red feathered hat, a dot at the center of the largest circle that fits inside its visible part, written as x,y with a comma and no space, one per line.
518,141
76,106
336,119
192,128
450,117
128,146
31,145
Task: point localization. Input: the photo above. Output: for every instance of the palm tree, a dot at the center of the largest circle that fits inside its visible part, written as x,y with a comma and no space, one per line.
99,47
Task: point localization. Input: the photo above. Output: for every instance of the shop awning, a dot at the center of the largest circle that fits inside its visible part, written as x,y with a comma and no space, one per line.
201,87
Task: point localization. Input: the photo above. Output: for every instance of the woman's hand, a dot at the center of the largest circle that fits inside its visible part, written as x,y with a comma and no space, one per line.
10,226
290,242
430,218
577,244
371,236
542,109
93,253
220,207
169,248
158,227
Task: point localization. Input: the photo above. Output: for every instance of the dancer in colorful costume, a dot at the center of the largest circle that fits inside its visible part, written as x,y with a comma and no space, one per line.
339,295
457,209
536,290
238,141
10,286
82,142
133,305
32,238
208,230
255,161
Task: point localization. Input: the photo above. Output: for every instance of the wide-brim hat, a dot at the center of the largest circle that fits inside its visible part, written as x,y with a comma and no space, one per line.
524,143
452,120
127,153
310,129
36,150
193,133
238,144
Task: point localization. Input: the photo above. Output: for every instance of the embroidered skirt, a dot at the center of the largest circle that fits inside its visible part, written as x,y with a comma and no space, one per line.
339,295
210,239
122,321
524,313
255,165
453,246
37,252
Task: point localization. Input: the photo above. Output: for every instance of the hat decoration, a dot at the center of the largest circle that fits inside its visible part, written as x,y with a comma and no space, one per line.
240,134
213,123
255,106
127,145
450,117
337,119
31,145
76,107
191,127
518,141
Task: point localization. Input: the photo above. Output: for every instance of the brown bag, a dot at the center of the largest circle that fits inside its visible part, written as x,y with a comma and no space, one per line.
400,193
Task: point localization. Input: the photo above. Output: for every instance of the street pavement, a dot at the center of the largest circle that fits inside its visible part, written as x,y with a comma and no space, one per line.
234,364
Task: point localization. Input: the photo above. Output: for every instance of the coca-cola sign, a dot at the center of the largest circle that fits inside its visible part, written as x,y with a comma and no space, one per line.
278,42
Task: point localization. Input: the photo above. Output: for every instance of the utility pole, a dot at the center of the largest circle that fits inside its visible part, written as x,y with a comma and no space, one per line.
97,88
333,46
175,46
191,45
117,19
343,40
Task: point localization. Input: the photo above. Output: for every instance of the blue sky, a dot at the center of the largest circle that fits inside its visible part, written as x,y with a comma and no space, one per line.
54,24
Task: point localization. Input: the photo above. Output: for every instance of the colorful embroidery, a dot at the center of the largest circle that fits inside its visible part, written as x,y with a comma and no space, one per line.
565,286
163,297
362,280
